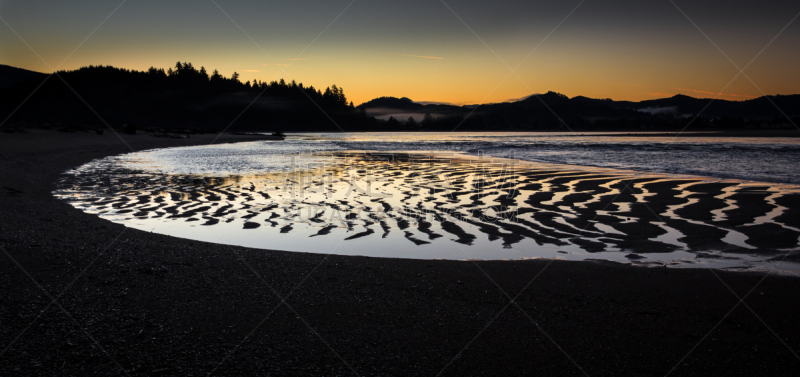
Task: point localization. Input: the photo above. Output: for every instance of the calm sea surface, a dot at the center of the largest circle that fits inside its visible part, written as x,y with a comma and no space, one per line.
757,159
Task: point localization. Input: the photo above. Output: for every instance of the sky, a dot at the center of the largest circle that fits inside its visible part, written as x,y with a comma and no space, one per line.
460,52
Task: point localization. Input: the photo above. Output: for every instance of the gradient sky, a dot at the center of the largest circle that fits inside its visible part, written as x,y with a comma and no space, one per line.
421,49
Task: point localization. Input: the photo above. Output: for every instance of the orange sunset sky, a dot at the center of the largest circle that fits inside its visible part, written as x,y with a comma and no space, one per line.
460,52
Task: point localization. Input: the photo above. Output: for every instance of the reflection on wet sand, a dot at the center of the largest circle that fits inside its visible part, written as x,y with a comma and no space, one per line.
439,206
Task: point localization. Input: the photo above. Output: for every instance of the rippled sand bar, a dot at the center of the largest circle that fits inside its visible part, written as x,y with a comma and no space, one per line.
447,206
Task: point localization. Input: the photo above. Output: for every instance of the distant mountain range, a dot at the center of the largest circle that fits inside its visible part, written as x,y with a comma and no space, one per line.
186,97
679,106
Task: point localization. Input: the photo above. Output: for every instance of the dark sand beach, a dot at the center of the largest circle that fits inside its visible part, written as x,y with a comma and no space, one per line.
84,296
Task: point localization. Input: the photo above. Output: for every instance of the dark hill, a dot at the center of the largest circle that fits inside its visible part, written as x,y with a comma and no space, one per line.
11,75
391,102
402,108
756,108
555,111
182,97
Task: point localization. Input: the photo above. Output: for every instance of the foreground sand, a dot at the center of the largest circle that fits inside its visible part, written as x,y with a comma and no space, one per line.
131,302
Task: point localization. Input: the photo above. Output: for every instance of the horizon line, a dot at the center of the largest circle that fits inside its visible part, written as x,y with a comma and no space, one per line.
736,97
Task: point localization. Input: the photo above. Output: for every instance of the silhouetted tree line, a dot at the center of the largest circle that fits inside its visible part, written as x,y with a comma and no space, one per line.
182,96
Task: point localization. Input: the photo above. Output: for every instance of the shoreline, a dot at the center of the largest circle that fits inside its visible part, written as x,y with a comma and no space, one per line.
161,305
450,207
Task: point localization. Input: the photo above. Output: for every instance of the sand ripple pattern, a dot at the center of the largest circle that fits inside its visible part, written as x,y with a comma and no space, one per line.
402,201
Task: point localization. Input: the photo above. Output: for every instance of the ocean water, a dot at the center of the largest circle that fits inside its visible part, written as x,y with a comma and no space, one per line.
757,159
652,201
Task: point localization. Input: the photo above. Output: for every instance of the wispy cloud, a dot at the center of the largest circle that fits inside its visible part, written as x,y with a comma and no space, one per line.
421,56
296,59
250,70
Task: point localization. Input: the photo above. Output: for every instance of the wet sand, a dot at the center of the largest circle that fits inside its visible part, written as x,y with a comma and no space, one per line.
156,305
417,205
